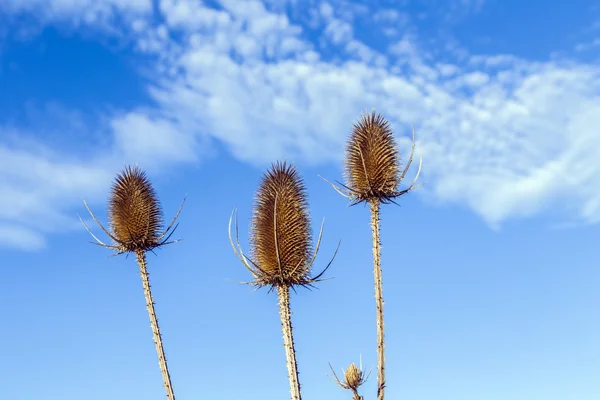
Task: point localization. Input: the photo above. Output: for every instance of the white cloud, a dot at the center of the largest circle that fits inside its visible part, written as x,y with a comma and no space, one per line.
496,137
585,46
457,10
388,15
447,69
152,141
326,10
19,237
192,15
337,28
78,11
404,47
338,31
37,187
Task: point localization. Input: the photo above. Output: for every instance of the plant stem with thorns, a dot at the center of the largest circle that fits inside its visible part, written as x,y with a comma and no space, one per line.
374,205
282,248
162,360
372,169
135,222
288,341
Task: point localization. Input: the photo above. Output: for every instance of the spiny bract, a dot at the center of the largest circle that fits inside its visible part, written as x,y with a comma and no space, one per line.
134,211
280,231
372,162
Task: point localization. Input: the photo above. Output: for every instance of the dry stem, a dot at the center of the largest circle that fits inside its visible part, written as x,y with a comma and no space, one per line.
288,340
378,298
162,360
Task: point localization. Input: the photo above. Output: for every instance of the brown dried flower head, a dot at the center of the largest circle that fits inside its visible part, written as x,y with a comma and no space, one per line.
372,162
134,211
280,233
135,214
353,377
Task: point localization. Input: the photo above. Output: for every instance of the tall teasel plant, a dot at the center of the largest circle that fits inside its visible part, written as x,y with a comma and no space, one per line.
281,248
135,217
373,175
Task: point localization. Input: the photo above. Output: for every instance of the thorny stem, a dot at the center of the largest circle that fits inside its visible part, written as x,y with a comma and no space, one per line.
162,360
288,340
378,298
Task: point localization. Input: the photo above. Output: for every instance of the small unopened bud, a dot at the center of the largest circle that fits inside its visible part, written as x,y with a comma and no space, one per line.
353,377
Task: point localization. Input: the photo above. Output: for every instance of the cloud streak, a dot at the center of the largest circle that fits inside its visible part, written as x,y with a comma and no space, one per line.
37,186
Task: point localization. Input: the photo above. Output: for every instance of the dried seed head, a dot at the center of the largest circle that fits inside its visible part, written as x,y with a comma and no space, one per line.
372,162
135,215
134,211
280,231
353,376
353,379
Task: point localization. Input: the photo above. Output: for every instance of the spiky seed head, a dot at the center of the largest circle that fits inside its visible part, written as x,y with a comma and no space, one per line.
353,377
134,211
280,233
372,164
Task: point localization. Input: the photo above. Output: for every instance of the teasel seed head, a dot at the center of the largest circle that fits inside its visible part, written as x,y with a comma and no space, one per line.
135,214
280,232
134,211
372,163
354,377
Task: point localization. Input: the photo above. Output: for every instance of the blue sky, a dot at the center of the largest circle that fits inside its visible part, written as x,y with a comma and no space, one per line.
490,268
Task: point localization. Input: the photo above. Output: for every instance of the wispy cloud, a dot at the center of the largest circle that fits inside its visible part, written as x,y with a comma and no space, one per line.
38,186
505,136
84,11
152,141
